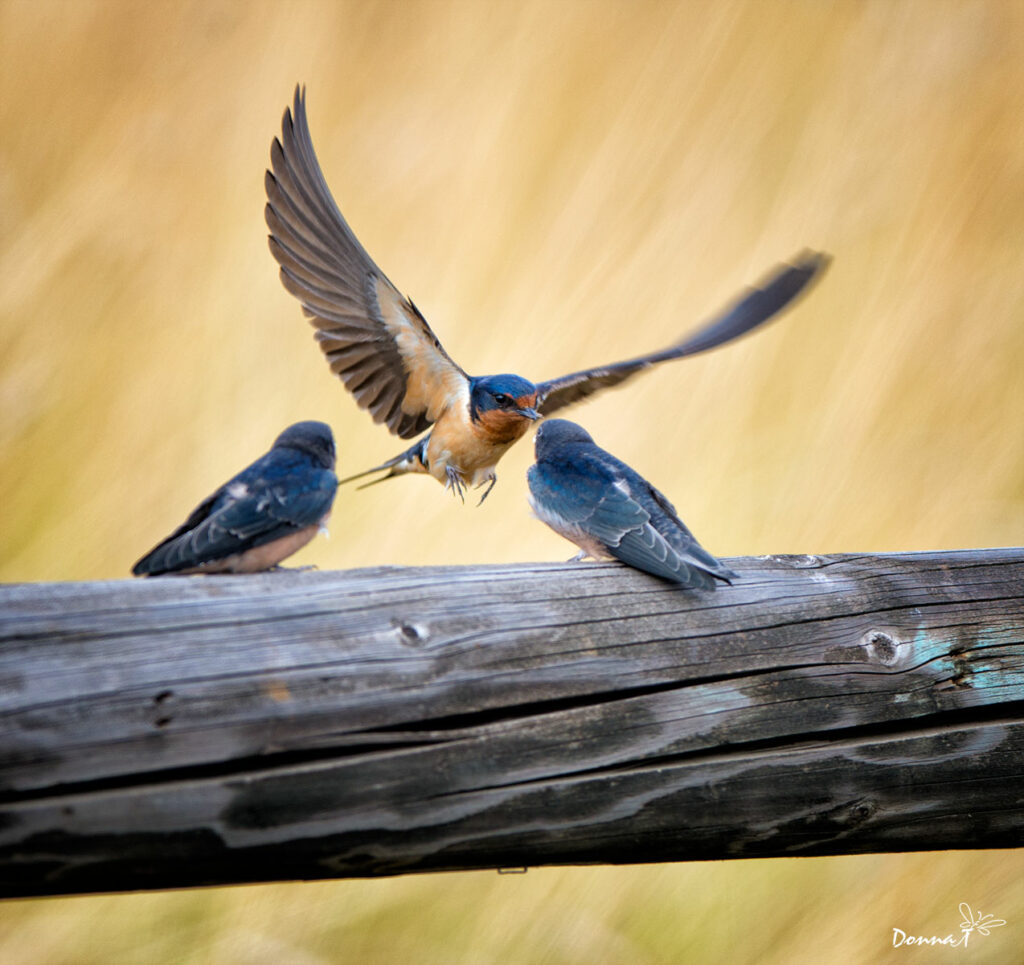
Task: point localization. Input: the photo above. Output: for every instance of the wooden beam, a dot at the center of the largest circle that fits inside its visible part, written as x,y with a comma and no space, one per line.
209,730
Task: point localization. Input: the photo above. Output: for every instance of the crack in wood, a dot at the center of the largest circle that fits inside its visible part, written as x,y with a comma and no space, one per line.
938,724
850,738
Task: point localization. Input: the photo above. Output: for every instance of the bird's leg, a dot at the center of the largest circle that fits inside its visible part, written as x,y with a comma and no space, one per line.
454,482
579,557
491,478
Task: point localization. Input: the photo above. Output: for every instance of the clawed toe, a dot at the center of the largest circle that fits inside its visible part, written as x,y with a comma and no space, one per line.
492,478
455,482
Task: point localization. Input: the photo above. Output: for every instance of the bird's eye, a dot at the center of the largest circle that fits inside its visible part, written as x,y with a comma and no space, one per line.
502,399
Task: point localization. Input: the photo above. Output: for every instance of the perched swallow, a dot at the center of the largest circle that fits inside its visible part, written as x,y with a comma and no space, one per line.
611,512
381,347
270,510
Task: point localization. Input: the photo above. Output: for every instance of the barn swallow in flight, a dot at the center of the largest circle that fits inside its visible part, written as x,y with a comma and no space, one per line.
270,510
611,512
381,347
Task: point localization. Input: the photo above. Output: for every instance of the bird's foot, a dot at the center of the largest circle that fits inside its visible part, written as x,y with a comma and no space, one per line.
491,478
278,568
579,557
455,482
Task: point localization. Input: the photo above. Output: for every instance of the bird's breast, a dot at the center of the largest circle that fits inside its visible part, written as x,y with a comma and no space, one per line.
500,427
473,448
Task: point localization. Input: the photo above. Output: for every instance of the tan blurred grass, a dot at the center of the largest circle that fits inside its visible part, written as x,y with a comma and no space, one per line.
780,912
556,185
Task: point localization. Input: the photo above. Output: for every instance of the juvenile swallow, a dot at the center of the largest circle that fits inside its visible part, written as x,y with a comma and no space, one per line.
270,510
611,512
381,347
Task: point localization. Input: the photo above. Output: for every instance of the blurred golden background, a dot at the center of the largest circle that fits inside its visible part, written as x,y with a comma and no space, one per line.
556,185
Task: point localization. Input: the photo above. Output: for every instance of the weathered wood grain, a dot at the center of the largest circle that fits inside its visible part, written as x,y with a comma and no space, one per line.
299,725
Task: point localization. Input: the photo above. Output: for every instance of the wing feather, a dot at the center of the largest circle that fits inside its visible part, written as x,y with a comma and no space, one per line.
247,511
374,339
753,308
646,549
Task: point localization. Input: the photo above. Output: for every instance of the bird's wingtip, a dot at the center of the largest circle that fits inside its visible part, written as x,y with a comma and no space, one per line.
812,261
141,568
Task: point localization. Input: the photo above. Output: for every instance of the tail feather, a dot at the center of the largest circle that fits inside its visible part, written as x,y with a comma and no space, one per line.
414,459
384,478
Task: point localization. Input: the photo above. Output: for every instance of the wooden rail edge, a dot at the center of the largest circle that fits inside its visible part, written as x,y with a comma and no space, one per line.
197,731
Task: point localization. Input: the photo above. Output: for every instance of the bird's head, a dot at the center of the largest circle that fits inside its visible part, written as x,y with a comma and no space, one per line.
503,405
313,438
559,432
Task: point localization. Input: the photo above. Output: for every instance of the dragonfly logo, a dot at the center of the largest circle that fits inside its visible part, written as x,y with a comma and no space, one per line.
971,924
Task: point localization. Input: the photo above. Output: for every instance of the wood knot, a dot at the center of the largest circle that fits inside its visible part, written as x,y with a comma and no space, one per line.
410,634
805,561
861,811
881,647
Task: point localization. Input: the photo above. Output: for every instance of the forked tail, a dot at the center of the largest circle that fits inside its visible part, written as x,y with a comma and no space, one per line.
414,459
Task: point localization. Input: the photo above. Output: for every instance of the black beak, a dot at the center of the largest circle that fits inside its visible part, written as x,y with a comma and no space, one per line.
532,414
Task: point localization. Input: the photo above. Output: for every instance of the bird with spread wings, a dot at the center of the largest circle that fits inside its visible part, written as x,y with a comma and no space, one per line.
380,346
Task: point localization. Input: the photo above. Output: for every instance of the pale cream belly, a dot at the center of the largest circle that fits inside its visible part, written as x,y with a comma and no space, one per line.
473,467
590,546
260,557
455,442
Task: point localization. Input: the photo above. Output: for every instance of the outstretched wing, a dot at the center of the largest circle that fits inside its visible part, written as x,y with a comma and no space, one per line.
375,339
755,307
